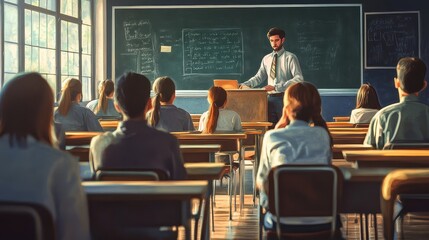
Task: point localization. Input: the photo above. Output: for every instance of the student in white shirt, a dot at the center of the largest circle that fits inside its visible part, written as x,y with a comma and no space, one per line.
217,118
295,141
32,168
367,105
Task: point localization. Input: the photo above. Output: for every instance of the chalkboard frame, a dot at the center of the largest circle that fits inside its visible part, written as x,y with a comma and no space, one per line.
374,14
203,93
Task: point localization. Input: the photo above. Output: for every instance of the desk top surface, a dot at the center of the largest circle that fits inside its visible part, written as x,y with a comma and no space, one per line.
396,154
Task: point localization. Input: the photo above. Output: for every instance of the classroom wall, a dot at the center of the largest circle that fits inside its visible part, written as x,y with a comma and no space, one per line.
381,79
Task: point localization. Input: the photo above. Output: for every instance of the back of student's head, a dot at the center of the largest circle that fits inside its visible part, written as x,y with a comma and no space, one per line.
304,103
216,98
105,90
26,109
72,87
132,93
411,74
367,97
164,88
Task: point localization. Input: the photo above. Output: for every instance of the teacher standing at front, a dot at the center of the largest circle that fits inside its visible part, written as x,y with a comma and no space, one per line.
281,69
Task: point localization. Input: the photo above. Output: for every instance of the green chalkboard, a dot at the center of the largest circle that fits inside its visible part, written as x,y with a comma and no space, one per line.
196,44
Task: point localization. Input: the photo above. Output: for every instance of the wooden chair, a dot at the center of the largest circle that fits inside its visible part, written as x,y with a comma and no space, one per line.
304,191
26,221
411,183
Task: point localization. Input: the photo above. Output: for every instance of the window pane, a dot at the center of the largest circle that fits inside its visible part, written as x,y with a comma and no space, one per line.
34,59
43,36
86,39
86,88
69,7
51,31
73,35
10,57
27,31
27,58
51,61
86,65
64,64
8,76
42,3
43,58
52,80
35,28
64,35
11,1
10,23
86,12
51,5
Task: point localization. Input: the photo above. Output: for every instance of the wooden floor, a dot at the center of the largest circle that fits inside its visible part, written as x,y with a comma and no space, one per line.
245,225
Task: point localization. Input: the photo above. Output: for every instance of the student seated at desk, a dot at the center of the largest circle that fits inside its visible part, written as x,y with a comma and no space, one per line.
217,118
367,105
32,168
294,141
164,115
135,145
103,107
408,120
70,114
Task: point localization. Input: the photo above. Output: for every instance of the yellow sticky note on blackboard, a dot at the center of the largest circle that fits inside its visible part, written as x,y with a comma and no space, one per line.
166,49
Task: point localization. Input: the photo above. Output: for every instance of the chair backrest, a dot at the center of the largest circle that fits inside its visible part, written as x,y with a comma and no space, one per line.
304,191
131,175
27,221
407,145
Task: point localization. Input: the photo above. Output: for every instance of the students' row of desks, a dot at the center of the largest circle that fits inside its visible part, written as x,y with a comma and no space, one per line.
198,186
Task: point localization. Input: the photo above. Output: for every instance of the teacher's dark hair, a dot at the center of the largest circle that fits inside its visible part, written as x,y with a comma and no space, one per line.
26,109
276,31
132,93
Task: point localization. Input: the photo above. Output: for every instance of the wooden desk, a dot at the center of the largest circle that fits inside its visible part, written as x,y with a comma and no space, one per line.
109,125
348,137
342,119
404,158
108,198
80,138
337,149
340,124
346,129
199,152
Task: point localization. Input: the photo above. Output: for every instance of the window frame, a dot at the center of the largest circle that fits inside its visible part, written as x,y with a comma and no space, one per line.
22,6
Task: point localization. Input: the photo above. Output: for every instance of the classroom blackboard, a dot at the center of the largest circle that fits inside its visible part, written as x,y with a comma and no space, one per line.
196,44
391,36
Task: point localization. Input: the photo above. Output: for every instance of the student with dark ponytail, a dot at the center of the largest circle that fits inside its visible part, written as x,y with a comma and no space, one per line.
70,114
296,141
164,114
217,118
103,107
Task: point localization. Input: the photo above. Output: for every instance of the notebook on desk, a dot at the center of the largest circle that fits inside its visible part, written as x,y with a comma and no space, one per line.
226,83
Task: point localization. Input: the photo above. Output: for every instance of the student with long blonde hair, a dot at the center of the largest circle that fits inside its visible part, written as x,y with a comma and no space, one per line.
70,114
217,118
164,114
33,169
103,107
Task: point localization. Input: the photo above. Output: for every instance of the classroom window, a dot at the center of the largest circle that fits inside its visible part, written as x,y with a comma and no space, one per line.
52,37
10,45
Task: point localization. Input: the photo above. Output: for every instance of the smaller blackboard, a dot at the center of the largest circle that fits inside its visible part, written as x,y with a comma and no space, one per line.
391,36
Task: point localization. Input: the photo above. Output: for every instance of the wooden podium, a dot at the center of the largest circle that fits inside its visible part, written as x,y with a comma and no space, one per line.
250,104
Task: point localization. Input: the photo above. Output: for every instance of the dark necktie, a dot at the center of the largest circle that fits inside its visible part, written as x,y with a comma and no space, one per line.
273,67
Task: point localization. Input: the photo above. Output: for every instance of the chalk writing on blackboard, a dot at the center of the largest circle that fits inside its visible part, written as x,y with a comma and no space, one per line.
138,40
209,51
391,36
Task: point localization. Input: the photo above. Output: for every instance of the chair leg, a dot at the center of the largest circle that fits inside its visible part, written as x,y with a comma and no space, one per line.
361,227
212,213
375,227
